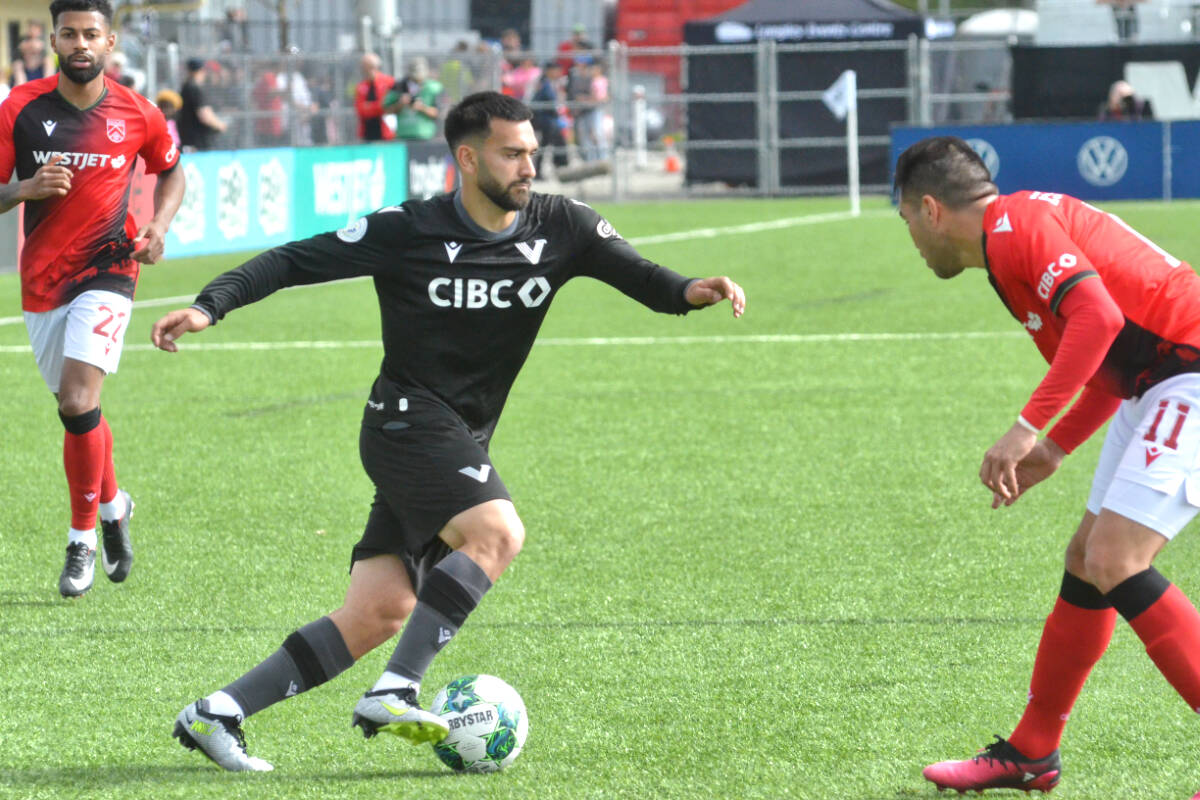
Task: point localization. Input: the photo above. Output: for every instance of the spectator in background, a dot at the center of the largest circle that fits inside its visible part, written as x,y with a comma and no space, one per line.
32,62
576,43
546,99
414,100
115,70
456,75
594,139
368,101
169,102
198,123
298,107
321,125
234,35
511,47
521,80
1124,104
267,94
579,93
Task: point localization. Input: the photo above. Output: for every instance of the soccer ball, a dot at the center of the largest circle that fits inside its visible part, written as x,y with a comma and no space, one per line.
487,720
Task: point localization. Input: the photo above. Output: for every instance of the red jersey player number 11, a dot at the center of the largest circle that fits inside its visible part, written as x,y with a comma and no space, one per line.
1118,320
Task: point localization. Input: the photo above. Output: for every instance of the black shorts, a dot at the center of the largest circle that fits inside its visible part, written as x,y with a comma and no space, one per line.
426,468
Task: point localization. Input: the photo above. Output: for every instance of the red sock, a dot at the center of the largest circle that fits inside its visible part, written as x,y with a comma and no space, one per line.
1170,629
83,459
108,482
1072,642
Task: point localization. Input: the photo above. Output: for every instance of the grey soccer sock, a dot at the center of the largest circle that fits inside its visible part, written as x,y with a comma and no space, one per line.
308,658
450,592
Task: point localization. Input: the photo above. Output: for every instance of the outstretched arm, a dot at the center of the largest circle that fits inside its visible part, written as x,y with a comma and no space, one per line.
710,291
369,246
176,324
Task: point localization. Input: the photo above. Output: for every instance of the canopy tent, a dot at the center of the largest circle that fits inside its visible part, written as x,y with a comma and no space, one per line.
790,22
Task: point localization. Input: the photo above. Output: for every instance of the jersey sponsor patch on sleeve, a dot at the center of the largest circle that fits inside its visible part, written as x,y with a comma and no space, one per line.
605,230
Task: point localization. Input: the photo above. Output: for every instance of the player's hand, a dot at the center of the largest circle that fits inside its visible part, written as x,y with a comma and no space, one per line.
152,241
707,291
1043,460
176,324
51,180
999,469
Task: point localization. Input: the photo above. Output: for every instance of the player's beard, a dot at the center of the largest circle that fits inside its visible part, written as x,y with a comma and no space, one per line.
80,76
504,197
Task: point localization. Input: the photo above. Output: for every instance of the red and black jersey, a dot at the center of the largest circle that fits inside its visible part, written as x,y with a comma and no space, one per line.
1040,246
83,240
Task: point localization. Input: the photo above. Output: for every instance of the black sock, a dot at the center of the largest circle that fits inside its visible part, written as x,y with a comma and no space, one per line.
451,591
308,658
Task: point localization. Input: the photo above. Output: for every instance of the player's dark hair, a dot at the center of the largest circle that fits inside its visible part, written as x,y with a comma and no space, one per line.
61,6
945,167
474,114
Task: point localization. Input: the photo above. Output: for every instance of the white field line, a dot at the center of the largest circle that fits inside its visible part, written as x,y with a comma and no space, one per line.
600,341
698,233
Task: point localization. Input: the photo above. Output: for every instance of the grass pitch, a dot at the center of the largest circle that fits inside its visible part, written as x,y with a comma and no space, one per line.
759,563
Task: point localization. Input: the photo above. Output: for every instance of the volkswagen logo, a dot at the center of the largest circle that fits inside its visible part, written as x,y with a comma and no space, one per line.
1102,161
991,159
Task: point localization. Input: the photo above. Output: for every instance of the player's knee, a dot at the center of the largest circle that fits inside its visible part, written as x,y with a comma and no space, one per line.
1076,558
382,618
509,538
78,417
387,622
1107,568
498,540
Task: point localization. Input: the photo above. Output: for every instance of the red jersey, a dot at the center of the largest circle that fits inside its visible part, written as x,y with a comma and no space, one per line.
368,103
82,240
1040,246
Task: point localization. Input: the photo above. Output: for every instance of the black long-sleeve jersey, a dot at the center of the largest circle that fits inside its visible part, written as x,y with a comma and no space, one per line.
460,305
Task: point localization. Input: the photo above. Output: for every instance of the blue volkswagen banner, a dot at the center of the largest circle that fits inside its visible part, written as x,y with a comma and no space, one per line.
1090,160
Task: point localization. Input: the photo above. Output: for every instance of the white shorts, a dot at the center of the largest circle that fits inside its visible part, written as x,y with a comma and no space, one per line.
1149,469
91,328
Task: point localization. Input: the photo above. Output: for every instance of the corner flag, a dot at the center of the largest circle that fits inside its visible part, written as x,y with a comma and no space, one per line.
842,99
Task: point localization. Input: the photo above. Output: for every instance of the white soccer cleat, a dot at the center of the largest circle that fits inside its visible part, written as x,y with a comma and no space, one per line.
78,571
396,711
219,738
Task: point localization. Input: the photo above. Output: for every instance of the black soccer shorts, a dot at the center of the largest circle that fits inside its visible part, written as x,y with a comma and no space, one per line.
427,468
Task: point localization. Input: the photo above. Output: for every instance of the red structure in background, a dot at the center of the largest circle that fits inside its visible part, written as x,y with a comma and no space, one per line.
659,23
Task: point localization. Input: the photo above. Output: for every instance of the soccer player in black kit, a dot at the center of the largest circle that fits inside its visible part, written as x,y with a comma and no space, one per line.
464,281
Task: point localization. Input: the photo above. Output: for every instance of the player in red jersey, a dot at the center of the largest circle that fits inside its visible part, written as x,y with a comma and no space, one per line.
73,140
1119,321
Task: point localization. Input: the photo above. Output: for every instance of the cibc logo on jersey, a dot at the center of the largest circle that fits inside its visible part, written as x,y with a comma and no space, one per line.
1046,284
480,293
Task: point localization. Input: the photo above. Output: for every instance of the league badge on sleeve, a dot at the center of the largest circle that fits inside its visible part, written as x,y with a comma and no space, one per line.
353,232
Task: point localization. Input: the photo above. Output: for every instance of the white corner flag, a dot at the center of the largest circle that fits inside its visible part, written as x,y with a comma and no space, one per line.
842,99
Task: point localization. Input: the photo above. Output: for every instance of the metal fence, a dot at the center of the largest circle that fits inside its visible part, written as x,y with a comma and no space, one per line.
641,147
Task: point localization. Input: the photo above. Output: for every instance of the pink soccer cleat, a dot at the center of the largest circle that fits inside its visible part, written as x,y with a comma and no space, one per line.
998,766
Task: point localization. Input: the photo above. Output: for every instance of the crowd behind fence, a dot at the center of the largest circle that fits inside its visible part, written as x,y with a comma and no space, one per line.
623,128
